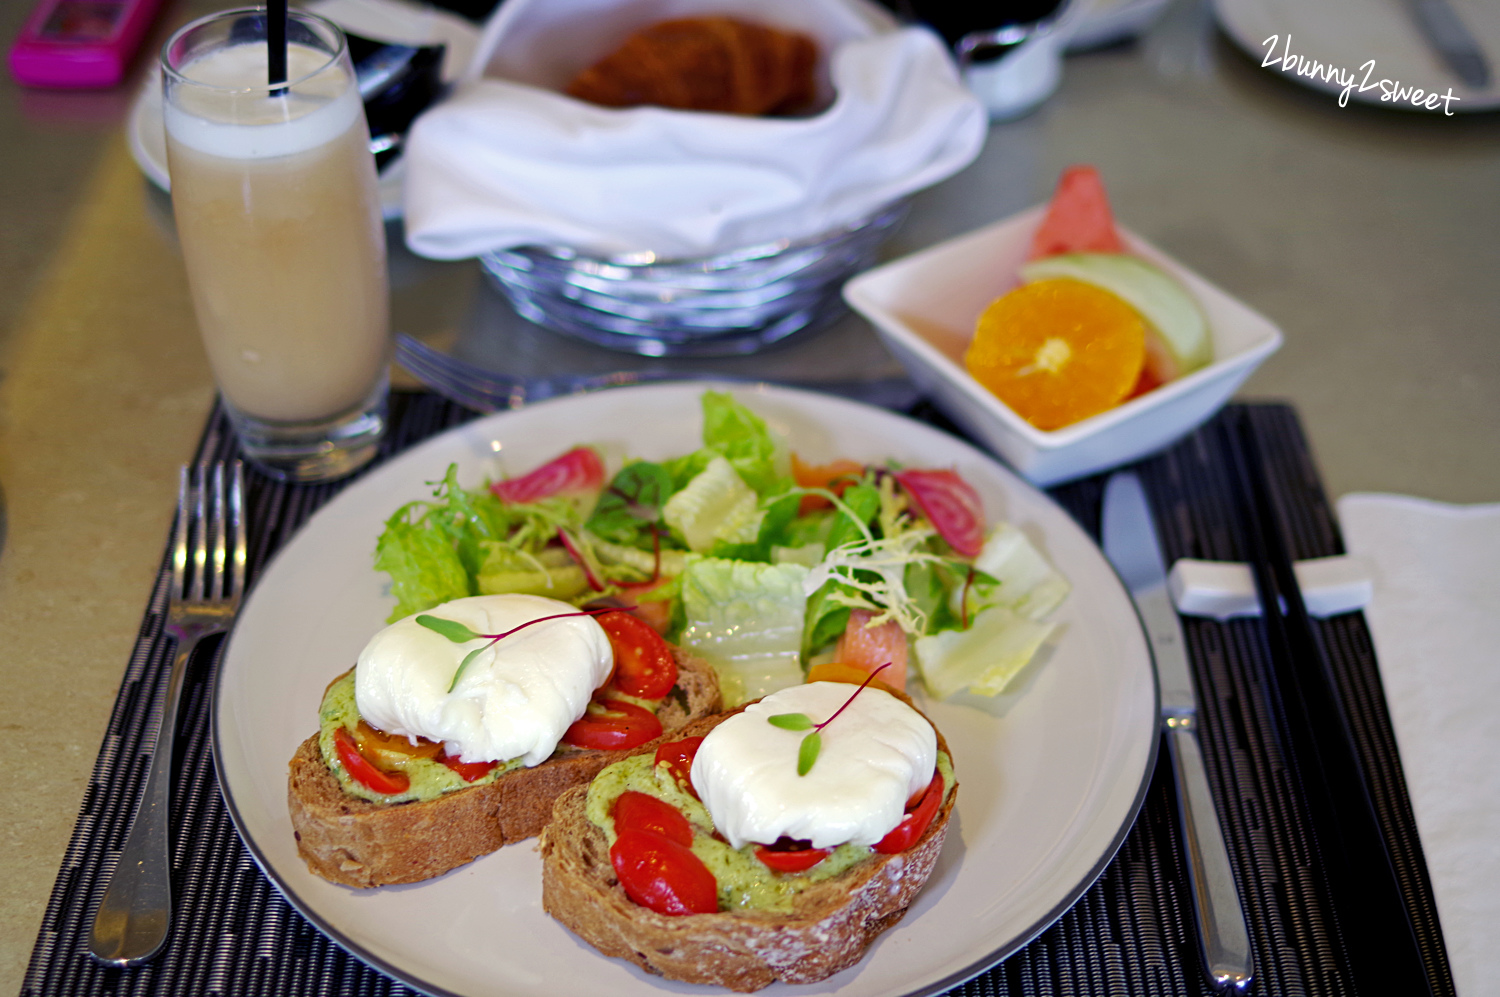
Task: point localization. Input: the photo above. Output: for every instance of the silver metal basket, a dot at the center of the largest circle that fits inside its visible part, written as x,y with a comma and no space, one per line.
725,305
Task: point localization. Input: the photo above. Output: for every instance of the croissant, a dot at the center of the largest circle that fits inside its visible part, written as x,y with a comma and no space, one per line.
705,64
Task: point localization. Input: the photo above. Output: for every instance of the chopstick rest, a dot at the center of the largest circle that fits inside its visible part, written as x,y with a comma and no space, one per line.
1225,590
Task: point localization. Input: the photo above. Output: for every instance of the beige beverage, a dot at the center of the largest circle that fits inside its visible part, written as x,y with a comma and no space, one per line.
284,251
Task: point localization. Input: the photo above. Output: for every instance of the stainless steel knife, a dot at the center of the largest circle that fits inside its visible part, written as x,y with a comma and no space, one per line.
1451,39
1130,543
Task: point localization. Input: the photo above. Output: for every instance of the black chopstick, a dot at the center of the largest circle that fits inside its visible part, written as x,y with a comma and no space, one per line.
1365,894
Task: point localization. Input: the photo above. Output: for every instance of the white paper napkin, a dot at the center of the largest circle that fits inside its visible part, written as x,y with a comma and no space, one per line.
509,160
1435,619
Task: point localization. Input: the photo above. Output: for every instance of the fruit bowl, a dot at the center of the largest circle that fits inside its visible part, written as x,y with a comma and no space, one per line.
924,307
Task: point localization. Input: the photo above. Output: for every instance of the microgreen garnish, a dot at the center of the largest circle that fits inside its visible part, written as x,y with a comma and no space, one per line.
807,755
963,599
460,634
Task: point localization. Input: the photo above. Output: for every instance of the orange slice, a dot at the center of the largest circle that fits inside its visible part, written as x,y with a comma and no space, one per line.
1057,351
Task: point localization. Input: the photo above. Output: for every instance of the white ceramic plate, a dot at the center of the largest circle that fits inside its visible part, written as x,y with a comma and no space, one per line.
1346,34
393,21
1051,778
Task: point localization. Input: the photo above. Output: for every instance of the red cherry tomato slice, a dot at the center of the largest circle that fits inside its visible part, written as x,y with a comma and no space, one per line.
622,725
916,821
952,506
644,665
790,859
662,875
643,812
576,472
364,773
469,770
679,757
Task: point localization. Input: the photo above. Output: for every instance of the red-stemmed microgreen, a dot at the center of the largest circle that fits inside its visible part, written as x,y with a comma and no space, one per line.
460,634
576,553
812,744
963,599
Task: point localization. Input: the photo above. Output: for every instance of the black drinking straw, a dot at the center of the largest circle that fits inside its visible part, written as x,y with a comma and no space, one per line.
276,43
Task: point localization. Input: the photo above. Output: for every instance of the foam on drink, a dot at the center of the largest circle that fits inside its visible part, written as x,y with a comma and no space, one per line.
253,124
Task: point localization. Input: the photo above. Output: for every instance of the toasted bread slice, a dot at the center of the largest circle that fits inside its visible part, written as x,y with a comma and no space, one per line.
828,929
358,843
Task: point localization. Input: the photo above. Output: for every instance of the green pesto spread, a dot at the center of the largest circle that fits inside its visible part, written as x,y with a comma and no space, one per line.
429,777
744,881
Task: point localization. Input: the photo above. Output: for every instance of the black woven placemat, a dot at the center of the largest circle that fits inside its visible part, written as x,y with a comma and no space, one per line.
1130,934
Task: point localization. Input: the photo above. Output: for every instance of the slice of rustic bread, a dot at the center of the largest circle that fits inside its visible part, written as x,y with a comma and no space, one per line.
828,929
359,843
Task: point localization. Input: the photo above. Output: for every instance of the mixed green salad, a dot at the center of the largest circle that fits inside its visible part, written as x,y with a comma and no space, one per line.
742,554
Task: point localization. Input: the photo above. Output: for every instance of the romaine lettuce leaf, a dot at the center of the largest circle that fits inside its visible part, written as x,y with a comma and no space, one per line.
741,436
423,564
827,616
985,657
1013,574
777,517
715,506
745,618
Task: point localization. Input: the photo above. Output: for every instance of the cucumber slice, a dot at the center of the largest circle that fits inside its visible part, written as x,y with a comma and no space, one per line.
1160,298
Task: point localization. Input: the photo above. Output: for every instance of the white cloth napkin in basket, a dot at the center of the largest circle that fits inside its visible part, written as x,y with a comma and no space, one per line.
510,160
1435,620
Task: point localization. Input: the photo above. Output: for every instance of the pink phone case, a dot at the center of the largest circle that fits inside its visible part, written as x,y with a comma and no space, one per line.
78,44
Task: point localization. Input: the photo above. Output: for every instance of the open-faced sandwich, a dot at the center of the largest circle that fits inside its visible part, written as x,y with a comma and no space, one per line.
770,843
458,728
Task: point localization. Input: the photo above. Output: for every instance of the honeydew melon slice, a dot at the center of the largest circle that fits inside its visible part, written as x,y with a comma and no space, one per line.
1160,299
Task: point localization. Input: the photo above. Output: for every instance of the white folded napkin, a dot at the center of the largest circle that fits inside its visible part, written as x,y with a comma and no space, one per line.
510,160
1435,620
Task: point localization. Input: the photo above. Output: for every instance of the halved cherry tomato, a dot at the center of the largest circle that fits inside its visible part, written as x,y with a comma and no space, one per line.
790,856
679,758
635,811
914,824
364,773
867,648
387,751
577,472
620,725
644,665
469,770
662,875
951,504
835,477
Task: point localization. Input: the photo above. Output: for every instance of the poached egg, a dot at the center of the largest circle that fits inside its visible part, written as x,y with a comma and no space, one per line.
874,756
515,700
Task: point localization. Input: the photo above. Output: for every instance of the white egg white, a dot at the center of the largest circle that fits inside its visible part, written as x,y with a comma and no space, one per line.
874,756
515,700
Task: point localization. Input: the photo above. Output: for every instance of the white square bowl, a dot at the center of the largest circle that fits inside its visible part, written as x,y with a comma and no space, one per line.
925,305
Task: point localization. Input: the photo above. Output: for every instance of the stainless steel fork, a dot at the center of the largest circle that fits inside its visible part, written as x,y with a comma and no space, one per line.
487,391
208,577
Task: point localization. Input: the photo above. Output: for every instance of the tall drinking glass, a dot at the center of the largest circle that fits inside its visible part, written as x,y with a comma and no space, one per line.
274,193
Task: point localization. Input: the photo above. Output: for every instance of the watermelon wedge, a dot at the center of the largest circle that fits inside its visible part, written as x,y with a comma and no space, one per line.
1078,219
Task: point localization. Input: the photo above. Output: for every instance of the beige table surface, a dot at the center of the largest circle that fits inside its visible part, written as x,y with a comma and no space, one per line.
1372,237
